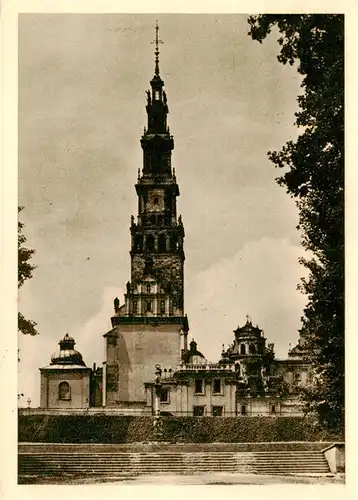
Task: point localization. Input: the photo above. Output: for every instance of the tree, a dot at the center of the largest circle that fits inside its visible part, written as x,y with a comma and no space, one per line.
314,177
25,269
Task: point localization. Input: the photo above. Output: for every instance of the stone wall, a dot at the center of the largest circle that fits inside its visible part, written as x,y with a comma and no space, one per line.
132,354
79,383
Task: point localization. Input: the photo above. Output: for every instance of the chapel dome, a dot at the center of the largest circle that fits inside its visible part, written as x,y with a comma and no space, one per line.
195,356
67,355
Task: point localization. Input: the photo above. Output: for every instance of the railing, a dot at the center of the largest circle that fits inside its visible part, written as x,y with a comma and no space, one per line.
93,410
148,411
205,367
207,413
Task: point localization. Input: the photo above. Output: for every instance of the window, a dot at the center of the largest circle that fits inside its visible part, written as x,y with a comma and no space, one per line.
174,244
162,307
156,200
135,307
242,349
252,349
138,243
199,386
237,368
149,306
164,395
273,409
162,243
150,242
217,386
243,410
198,411
297,377
149,288
217,411
64,391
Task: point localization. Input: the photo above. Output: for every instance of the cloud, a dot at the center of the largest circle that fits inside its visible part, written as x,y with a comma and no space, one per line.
89,337
259,280
35,352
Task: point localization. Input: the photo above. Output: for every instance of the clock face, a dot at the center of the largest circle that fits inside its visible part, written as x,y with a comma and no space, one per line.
156,201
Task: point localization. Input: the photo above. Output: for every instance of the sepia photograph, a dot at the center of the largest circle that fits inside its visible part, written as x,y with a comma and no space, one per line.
181,249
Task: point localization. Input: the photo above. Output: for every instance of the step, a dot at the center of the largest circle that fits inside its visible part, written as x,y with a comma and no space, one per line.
121,463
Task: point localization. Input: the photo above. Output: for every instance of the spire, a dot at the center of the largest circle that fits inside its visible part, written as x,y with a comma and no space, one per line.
156,52
157,107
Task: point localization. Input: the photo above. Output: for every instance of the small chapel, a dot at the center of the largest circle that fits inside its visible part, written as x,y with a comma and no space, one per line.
147,347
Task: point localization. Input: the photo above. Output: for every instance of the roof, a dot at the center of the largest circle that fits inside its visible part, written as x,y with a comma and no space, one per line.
248,329
65,367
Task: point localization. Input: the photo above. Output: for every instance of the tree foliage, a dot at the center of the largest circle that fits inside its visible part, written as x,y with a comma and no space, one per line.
314,177
25,269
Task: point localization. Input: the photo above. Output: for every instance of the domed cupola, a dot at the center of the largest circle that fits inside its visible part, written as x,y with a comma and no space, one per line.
195,356
67,355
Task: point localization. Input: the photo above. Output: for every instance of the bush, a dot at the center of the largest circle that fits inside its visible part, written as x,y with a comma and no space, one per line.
132,429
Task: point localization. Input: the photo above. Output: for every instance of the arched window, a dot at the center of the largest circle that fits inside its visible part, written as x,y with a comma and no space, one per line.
162,243
162,307
149,288
138,242
252,349
135,307
156,200
174,244
150,242
64,391
242,349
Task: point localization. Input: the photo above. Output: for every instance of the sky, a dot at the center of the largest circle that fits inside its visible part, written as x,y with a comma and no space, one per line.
82,82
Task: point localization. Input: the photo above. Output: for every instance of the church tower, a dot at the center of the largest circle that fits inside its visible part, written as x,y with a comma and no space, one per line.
150,327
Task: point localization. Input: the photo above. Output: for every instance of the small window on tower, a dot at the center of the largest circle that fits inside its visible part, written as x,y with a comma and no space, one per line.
135,307
149,306
149,288
162,306
252,349
162,243
156,200
150,242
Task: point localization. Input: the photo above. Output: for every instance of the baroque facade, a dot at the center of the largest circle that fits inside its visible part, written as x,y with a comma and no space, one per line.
150,329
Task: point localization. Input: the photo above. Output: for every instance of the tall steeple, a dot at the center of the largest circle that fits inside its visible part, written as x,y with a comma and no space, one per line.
157,233
157,42
150,327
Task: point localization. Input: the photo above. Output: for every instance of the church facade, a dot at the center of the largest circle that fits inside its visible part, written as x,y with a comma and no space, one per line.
150,329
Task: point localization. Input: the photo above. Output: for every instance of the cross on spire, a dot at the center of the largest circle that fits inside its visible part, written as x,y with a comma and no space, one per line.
157,41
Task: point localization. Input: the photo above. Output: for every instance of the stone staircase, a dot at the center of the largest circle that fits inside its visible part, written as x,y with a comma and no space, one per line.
167,461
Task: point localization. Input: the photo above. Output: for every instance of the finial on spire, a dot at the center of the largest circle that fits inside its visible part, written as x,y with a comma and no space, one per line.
157,42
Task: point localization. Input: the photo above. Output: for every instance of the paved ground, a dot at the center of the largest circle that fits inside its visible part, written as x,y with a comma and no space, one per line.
202,479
